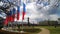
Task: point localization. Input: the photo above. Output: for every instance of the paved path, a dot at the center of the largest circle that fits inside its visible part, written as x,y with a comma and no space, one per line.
44,31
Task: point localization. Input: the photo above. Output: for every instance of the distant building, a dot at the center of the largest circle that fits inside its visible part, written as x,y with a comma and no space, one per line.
51,23
58,20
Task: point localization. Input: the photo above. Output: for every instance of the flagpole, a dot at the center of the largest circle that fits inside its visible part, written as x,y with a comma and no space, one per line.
22,20
22,27
22,24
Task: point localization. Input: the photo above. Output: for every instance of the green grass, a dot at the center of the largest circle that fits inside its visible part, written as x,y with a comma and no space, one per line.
29,30
52,29
35,30
32,30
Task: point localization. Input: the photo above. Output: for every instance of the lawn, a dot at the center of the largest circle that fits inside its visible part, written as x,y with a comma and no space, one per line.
52,29
28,30
34,30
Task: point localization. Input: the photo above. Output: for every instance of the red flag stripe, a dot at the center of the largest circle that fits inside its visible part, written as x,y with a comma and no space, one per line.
18,16
6,21
23,15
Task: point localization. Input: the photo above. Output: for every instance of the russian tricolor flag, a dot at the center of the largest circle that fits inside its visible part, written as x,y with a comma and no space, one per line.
24,11
18,12
14,13
11,15
7,18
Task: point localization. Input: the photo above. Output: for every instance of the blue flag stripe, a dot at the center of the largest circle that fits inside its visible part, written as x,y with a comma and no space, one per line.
14,11
24,9
11,12
18,8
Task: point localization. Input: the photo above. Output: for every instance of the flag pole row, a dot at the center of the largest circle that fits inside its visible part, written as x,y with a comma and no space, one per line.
11,15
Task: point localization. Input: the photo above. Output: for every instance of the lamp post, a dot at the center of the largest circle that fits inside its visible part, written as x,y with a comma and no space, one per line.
48,23
28,21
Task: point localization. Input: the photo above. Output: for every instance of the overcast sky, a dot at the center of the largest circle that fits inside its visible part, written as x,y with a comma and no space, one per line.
39,10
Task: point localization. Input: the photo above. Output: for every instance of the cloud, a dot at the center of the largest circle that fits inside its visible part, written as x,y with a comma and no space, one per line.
1,3
54,17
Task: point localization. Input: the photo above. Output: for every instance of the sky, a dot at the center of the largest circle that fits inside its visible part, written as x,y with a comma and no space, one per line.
39,10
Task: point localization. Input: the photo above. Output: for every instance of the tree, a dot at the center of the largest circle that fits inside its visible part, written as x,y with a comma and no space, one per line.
58,20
